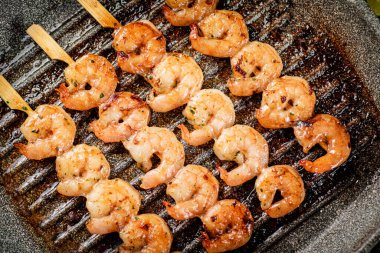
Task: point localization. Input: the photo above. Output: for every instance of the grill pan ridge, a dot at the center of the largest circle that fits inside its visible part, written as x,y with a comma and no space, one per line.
306,51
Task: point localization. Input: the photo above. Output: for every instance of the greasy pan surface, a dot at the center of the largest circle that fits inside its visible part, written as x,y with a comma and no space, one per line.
306,50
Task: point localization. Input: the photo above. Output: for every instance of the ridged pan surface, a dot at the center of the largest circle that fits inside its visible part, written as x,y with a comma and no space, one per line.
306,51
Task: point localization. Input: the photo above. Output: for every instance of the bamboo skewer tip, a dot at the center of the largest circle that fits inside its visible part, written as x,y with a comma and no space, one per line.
48,44
101,14
12,98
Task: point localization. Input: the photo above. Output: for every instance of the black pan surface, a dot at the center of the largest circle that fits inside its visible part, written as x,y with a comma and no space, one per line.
312,43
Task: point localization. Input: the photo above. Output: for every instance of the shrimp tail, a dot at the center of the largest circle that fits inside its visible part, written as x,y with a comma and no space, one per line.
223,172
309,166
171,16
194,31
185,134
63,91
22,148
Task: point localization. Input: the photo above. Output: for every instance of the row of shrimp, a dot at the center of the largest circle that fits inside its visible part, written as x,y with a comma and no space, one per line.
287,101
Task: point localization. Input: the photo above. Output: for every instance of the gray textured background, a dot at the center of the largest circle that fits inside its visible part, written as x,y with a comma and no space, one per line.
338,227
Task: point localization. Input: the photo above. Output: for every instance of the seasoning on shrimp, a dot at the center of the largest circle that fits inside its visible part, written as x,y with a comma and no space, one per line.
147,233
253,68
120,116
91,80
174,80
224,33
247,148
285,179
194,190
79,169
286,100
209,112
50,131
331,135
187,12
111,204
161,142
140,46
228,225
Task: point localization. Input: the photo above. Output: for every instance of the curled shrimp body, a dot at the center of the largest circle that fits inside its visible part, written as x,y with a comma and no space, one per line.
111,204
174,80
253,68
79,169
120,116
209,112
224,33
92,71
331,135
228,225
161,142
286,100
245,146
140,46
146,233
50,131
194,190
284,179
187,12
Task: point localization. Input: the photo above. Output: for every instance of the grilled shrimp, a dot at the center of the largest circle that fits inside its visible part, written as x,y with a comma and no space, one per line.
91,80
50,131
228,225
224,33
119,117
111,204
161,142
79,169
140,46
209,111
194,190
174,80
286,100
146,233
245,146
331,135
187,12
253,68
285,179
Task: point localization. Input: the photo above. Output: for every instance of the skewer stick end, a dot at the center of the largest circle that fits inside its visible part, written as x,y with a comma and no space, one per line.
12,98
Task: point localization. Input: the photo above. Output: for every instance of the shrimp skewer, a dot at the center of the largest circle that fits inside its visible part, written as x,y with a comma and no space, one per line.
175,80
194,189
209,111
245,146
228,225
161,142
49,130
120,116
79,169
111,204
224,33
285,179
286,101
91,80
253,68
140,45
187,12
146,233
331,135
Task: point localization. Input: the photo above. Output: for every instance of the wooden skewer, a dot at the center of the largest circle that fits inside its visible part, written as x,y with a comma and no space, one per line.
12,98
100,13
48,44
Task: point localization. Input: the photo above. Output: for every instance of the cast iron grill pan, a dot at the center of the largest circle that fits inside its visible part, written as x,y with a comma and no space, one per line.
305,50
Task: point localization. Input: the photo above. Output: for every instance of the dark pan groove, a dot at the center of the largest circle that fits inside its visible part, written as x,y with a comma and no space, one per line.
305,51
